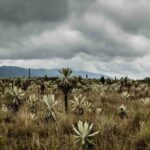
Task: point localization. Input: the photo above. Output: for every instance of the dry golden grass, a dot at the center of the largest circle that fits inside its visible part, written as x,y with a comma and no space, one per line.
19,132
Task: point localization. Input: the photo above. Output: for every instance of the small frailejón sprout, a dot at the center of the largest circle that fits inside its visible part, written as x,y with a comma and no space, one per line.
102,93
33,116
87,107
65,84
32,86
32,101
83,133
76,90
116,87
78,104
50,102
146,100
142,124
125,95
4,111
17,96
4,108
99,112
122,111
95,87
2,86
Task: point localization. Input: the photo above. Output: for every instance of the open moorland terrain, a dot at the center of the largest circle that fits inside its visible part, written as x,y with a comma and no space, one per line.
74,113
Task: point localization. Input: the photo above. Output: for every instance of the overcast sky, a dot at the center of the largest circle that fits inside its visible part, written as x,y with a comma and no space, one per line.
101,36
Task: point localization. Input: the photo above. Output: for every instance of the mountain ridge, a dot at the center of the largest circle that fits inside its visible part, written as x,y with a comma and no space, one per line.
14,71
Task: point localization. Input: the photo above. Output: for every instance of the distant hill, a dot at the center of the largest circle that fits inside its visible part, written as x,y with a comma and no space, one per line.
10,72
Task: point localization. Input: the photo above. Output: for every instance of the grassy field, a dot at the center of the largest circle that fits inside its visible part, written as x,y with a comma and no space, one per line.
36,118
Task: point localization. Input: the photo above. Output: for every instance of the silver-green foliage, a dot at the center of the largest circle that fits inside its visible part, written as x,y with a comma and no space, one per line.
83,133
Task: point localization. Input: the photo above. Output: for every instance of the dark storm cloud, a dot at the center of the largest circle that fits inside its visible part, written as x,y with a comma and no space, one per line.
20,19
24,11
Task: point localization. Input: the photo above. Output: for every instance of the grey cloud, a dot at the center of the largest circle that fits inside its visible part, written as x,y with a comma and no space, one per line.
104,38
131,15
95,34
24,11
20,19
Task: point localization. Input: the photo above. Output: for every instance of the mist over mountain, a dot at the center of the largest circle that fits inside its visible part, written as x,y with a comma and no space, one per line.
11,72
